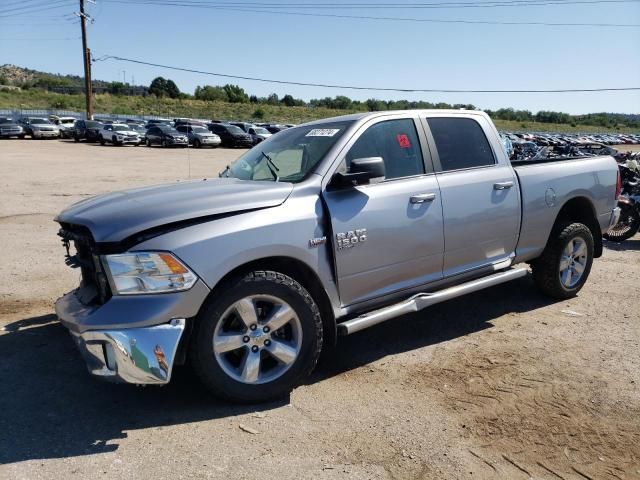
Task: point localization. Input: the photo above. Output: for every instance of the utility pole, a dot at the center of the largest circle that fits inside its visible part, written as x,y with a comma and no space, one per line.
86,57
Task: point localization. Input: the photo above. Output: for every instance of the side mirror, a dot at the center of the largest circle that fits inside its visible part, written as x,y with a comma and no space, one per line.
362,170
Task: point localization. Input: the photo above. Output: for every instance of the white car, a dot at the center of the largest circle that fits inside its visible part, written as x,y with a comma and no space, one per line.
118,134
258,134
65,124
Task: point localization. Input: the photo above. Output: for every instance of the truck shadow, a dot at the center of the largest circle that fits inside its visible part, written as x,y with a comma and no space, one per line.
51,408
633,244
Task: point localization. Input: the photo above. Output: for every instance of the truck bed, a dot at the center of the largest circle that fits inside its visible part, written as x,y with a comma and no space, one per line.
547,185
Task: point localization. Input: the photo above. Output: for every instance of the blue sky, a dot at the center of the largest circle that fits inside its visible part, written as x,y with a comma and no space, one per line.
349,51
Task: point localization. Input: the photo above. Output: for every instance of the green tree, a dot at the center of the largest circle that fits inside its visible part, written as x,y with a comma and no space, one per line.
161,87
288,100
236,94
118,88
172,89
210,93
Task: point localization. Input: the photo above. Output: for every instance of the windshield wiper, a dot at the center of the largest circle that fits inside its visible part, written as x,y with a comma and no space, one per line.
273,168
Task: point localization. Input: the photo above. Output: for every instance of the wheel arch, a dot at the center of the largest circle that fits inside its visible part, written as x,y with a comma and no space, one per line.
303,274
580,209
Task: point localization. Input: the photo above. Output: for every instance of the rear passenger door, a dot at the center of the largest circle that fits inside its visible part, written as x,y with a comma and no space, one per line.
480,194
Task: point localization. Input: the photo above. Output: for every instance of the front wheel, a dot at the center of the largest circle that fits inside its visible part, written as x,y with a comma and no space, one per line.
627,226
148,142
564,266
197,143
102,140
257,338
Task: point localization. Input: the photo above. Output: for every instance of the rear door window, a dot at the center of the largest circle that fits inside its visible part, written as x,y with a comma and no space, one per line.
396,141
461,143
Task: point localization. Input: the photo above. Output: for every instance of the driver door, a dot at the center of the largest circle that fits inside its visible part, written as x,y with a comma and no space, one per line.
387,235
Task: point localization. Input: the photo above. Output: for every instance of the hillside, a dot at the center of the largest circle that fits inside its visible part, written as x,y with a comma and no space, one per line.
166,107
40,90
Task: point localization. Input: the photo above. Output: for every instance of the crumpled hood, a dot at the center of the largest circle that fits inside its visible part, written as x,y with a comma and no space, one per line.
115,216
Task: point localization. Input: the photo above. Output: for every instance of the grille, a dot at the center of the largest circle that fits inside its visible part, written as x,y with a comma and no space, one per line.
94,287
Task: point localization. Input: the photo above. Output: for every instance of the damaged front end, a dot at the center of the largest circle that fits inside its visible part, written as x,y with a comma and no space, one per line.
123,338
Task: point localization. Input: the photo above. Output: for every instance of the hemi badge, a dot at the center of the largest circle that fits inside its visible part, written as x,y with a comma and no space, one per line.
316,242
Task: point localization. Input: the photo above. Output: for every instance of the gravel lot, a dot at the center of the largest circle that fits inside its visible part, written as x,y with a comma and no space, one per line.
500,384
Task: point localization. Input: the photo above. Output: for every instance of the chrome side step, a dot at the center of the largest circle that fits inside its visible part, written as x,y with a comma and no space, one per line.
424,300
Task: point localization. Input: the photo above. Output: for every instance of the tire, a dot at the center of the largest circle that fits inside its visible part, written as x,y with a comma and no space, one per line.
628,225
148,142
197,143
102,140
549,272
165,144
76,139
224,371
21,136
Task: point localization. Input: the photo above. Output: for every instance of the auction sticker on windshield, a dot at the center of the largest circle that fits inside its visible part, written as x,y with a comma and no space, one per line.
322,132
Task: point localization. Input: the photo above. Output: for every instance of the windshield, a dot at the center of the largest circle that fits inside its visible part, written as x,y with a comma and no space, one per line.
233,129
288,156
120,128
67,120
39,121
261,131
199,130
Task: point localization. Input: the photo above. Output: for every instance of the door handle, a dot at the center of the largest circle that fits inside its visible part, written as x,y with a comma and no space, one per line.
423,198
502,185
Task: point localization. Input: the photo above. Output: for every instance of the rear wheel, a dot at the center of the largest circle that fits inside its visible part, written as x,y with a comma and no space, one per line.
257,338
564,266
627,226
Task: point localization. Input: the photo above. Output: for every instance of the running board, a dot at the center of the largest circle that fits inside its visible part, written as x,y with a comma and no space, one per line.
424,300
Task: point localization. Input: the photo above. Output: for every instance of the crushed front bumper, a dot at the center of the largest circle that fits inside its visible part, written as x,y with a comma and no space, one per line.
134,355
131,338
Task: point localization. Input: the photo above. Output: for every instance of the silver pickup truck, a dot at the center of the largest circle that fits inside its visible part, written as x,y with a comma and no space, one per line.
322,230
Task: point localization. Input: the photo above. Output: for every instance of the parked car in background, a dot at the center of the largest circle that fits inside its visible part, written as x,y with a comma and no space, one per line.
166,136
200,136
65,124
258,134
87,130
9,128
245,126
274,128
139,128
119,134
38,127
231,135
158,121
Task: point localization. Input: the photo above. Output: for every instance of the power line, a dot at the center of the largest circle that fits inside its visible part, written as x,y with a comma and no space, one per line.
396,19
352,87
334,6
34,9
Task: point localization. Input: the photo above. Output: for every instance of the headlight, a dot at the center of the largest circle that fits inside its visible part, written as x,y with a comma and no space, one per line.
147,272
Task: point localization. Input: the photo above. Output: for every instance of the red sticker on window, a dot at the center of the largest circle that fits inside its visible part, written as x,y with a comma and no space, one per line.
403,140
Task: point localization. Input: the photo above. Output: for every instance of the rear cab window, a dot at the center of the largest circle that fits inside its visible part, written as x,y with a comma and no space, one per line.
461,143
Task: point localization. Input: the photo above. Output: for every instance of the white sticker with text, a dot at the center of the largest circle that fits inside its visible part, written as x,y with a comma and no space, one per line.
322,132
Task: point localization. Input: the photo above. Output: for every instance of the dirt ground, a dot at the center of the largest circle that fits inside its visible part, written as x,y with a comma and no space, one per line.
503,383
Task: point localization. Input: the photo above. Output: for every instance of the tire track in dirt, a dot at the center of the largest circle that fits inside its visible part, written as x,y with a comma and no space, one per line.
526,416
